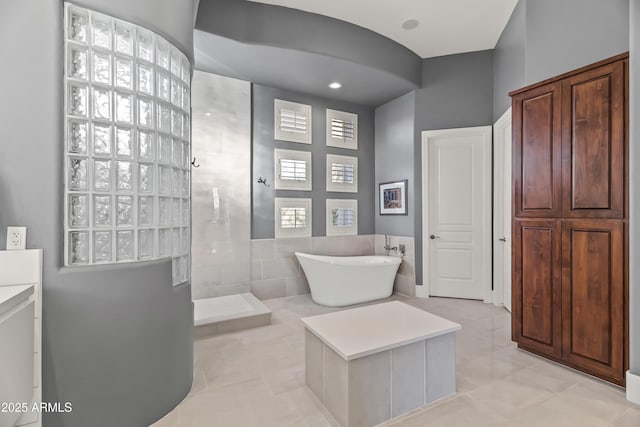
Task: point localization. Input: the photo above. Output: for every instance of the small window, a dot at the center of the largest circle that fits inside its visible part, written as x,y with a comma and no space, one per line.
342,217
342,173
292,121
292,170
342,129
293,217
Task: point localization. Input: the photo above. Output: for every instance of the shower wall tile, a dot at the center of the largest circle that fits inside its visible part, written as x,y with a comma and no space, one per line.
297,286
263,249
236,272
330,246
358,245
405,281
288,247
275,269
221,197
269,288
281,267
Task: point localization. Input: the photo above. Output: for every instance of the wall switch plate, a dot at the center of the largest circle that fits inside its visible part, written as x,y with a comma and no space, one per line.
16,238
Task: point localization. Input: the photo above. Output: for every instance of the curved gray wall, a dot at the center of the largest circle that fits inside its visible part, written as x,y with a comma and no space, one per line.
263,24
117,340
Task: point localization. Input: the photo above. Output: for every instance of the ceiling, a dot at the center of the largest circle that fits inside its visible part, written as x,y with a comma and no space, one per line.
445,26
296,70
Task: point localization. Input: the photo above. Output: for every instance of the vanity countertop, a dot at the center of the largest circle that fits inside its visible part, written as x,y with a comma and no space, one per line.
10,296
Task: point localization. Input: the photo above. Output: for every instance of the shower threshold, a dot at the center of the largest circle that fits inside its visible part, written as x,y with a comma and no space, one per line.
228,313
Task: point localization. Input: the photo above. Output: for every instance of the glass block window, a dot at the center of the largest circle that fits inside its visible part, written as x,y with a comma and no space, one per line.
342,217
342,129
342,174
292,170
127,134
293,217
292,121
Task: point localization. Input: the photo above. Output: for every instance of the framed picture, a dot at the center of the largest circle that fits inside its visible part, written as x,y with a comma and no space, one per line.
393,198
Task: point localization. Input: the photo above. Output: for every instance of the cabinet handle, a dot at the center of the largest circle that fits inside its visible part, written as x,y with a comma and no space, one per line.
504,239
433,236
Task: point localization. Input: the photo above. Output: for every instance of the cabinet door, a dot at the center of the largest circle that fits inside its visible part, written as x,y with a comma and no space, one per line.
593,143
536,287
537,150
593,296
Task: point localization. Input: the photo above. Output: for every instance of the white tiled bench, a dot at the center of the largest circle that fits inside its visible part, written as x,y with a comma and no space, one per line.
373,363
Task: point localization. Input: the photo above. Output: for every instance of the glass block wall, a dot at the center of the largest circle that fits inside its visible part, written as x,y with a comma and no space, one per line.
127,135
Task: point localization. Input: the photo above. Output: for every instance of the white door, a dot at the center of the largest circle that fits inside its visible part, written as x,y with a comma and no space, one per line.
502,211
456,198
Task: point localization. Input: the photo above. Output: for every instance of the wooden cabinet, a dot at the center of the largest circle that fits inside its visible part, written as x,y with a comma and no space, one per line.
537,291
570,211
593,135
593,296
537,154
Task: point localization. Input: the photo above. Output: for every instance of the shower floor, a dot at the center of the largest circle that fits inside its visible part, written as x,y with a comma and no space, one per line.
229,313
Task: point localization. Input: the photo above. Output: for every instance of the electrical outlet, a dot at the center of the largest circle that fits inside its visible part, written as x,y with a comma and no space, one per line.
16,238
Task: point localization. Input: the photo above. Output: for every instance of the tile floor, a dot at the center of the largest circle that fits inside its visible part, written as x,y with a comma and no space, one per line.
256,378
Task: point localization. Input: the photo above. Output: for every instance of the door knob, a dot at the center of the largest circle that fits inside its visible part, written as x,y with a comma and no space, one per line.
504,239
433,236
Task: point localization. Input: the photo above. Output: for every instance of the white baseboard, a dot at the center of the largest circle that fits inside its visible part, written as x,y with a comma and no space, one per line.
422,291
633,388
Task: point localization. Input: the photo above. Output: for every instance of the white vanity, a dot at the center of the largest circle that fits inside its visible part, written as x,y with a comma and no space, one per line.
20,343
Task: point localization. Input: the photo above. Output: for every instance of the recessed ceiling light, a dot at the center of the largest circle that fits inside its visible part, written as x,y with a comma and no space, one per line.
207,114
335,85
410,24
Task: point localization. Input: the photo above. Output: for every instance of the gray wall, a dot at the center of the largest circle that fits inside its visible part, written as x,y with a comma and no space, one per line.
394,148
457,92
509,60
264,24
634,191
116,339
262,221
564,35
545,38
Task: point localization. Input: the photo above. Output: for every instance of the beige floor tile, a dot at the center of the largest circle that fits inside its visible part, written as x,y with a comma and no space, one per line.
630,418
507,397
460,411
169,420
256,378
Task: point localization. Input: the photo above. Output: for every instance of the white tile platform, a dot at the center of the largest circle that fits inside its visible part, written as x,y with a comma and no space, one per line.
229,313
370,364
256,378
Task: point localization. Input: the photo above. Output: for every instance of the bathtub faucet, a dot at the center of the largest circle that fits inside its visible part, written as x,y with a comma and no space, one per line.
388,247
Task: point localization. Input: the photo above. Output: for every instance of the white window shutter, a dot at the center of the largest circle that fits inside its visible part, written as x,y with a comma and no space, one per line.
292,121
341,217
342,129
342,173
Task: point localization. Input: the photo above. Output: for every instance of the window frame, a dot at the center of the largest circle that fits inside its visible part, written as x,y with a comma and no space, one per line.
280,154
284,135
331,141
332,230
336,187
286,202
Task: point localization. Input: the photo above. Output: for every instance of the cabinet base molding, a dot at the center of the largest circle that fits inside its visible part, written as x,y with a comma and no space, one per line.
633,388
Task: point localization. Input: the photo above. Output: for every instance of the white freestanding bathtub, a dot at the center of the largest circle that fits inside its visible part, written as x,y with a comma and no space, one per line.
338,281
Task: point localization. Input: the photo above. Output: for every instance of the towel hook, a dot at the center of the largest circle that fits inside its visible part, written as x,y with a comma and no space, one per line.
193,163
